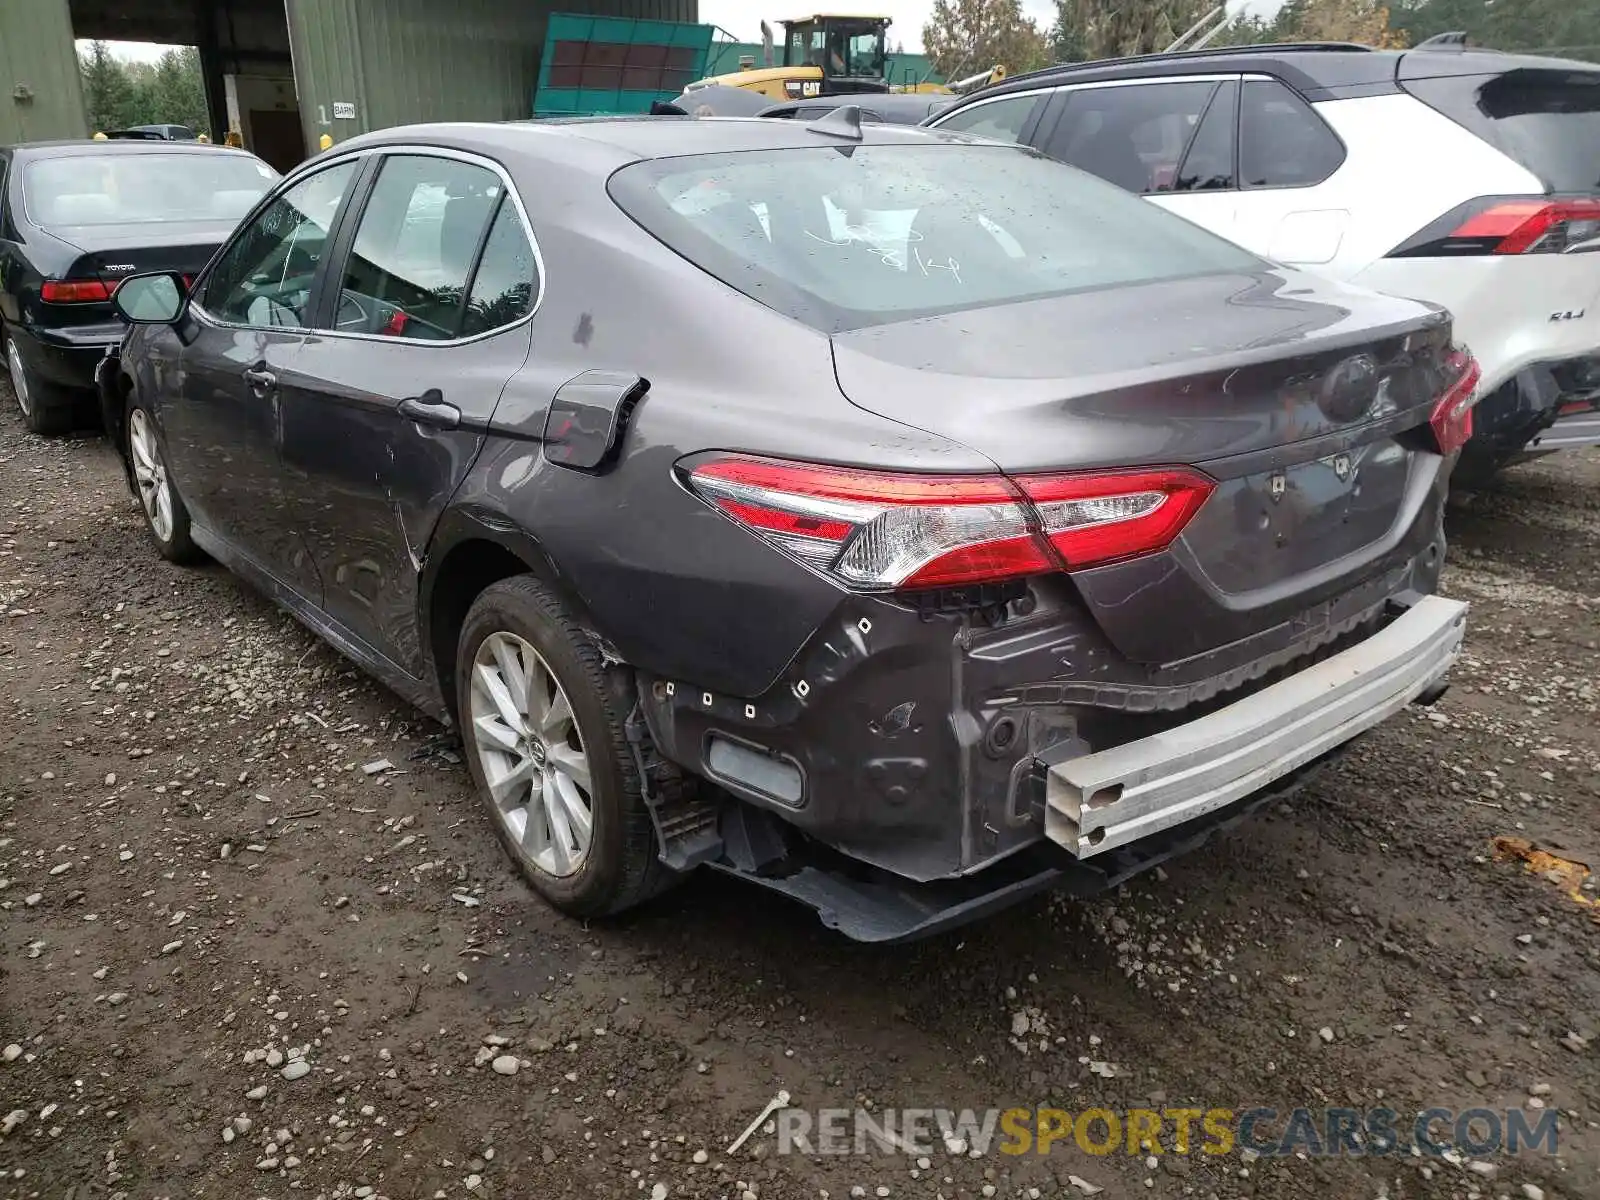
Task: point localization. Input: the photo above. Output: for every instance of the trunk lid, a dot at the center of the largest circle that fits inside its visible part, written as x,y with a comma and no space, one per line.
111,252
1308,403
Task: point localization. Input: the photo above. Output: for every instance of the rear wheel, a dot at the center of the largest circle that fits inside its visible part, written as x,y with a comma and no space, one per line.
164,513
46,410
545,745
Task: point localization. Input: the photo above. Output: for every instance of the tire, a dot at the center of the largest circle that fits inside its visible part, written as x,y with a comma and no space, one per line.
46,409
166,518
516,629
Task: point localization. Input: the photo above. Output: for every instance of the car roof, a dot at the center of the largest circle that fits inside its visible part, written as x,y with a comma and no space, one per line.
632,138
78,147
1318,70
918,104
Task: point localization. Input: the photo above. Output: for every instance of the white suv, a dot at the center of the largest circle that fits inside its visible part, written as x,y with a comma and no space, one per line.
1465,177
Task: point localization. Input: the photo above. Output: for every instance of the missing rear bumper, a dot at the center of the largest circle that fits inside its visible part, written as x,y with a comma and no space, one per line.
1098,802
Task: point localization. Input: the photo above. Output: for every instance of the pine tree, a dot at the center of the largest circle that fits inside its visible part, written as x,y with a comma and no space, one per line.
108,95
963,37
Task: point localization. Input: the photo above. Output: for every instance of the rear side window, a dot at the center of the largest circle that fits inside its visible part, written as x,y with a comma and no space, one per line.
1134,137
415,246
1002,120
890,233
1282,141
1549,121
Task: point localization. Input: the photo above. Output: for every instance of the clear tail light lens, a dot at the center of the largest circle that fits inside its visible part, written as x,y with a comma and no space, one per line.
880,530
1451,421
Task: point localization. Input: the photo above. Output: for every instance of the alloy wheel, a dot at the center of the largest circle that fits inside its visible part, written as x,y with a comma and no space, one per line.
19,377
155,490
533,758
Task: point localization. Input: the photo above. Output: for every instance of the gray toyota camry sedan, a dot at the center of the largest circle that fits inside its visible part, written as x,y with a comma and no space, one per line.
898,520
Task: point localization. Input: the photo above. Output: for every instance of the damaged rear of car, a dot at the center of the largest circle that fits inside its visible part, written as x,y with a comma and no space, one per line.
1198,558
895,520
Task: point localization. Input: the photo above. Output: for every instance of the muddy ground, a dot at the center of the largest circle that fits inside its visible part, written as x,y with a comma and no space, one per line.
200,886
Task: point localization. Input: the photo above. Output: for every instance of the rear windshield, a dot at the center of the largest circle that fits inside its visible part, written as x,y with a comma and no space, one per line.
847,236
116,189
1549,121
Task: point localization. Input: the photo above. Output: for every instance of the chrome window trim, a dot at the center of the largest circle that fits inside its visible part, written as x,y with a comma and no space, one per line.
1087,85
411,150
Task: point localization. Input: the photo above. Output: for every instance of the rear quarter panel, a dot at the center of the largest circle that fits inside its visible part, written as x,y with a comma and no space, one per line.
673,586
1405,165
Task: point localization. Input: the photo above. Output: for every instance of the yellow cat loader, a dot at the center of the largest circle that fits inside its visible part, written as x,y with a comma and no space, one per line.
827,54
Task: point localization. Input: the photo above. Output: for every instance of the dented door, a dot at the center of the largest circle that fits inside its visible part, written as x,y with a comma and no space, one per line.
371,460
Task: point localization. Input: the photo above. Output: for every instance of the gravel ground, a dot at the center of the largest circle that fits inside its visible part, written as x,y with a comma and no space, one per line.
236,964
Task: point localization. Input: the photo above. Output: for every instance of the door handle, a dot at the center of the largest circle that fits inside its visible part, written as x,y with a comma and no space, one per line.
430,409
260,379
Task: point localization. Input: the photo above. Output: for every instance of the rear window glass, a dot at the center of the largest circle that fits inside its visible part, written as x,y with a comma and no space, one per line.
117,189
844,237
1549,121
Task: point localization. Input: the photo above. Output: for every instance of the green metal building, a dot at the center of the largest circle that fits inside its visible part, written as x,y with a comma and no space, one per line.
41,92
284,73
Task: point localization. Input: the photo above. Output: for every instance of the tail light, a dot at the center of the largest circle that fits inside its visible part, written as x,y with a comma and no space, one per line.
1451,421
75,291
1507,225
1093,519
879,530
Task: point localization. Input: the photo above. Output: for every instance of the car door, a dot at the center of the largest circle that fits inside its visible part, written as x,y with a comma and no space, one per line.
436,279
1286,151
9,257
222,413
1170,140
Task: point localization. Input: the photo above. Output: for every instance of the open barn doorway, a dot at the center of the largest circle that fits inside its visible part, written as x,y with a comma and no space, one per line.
239,49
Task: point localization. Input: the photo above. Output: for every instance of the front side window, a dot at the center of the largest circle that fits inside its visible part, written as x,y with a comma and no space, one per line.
1282,141
264,277
419,235
1134,137
891,233
1000,120
144,189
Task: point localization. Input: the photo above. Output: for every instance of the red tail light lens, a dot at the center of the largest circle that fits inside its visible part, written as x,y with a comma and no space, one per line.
878,530
1098,518
1534,226
1451,421
1507,225
74,291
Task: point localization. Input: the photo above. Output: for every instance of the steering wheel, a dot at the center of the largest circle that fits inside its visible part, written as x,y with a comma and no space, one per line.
347,304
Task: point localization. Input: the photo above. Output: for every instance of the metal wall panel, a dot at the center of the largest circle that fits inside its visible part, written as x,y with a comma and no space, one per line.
41,92
394,62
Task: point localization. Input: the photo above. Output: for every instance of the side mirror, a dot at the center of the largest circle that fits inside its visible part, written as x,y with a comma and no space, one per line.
155,299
